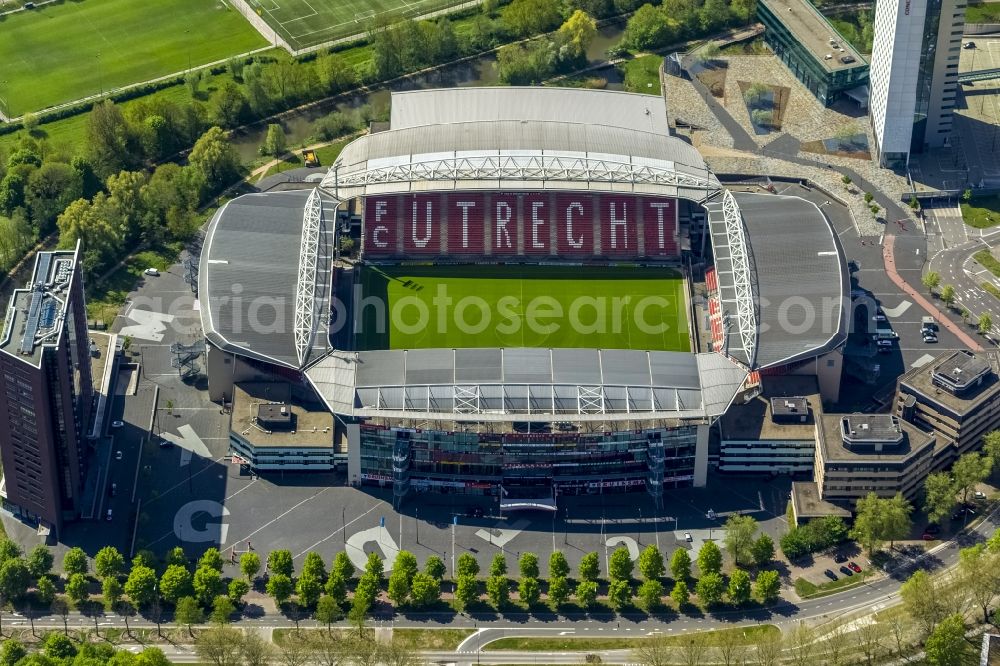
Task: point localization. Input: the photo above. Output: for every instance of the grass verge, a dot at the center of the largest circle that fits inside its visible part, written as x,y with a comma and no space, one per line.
748,635
69,50
982,212
430,639
642,74
988,261
989,286
561,643
808,590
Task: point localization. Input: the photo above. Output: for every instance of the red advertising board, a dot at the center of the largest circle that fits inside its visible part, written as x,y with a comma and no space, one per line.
575,225
380,225
619,225
659,218
531,224
422,217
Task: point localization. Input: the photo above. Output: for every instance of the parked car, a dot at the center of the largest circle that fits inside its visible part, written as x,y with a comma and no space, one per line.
839,557
151,271
829,574
967,45
117,424
165,443
854,567
932,528
927,537
980,495
113,490
109,514
687,537
847,572
930,338
118,455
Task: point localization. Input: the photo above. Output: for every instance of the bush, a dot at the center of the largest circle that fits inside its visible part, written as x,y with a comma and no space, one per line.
818,534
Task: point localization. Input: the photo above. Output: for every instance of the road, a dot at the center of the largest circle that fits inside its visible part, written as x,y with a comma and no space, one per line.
957,268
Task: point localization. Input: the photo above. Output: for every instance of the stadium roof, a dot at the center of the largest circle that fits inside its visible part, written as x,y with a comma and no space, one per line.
519,138
417,108
545,384
248,280
798,282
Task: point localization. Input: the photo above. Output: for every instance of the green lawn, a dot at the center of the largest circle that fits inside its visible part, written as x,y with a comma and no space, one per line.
526,306
807,589
563,644
69,50
749,635
982,212
642,75
307,22
986,12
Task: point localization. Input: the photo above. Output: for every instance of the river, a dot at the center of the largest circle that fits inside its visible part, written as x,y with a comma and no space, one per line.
475,72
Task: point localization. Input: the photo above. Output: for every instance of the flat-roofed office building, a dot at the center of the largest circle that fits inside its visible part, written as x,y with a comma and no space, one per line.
46,398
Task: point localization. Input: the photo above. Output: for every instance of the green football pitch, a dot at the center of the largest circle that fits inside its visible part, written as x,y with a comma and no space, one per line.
305,23
415,307
58,53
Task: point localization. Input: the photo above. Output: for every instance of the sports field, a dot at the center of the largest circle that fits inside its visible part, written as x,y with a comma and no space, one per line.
522,306
305,23
58,53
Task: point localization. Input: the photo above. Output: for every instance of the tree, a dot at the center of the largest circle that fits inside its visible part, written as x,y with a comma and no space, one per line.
280,587
739,587
878,520
188,613
56,646
434,567
922,600
309,588
590,567
111,590
336,587
948,294
250,565
762,550
238,588
931,280
529,591
92,223
709,558
767,587
466,591
335,73
467,565
530,17
620,593
527,564
869,197
558,566
558,591
141,585
620,566
586,593
222,609
650,594
109,562
498,591
274,142
985,323
680,564
970,470
710,588
342,567
45,590
75,561
979,575
991,447
14,579
228,106
768,649
12,652
109,140
576,34
207,583
313,566
211,558
680,594
177,556
425,590
946,646
651,563
649,27
940,497
280,562
740,531
215,158
77,588
327,611
498,566
40,561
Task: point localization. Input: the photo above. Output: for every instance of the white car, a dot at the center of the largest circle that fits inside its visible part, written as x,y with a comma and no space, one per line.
109,514
687,537
151,271
117,424
118,455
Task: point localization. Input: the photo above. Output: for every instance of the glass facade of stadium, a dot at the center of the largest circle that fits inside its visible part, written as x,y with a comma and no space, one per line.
543,465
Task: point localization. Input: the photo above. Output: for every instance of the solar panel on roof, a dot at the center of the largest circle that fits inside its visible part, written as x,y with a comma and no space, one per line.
48,316
31,322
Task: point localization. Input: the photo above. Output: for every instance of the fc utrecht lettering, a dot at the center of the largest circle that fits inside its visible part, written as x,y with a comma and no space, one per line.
558,224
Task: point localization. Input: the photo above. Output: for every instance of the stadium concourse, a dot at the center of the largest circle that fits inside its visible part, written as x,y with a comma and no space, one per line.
554,296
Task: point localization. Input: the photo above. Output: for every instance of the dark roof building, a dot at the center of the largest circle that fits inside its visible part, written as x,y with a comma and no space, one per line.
46,402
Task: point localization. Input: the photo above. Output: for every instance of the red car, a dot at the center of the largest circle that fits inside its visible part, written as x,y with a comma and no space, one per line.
927,537
854,567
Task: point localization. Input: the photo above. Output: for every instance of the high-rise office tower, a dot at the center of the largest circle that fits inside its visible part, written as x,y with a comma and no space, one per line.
914,76
46,393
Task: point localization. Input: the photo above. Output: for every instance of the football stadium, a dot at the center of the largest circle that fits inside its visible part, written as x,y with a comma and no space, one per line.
553,296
